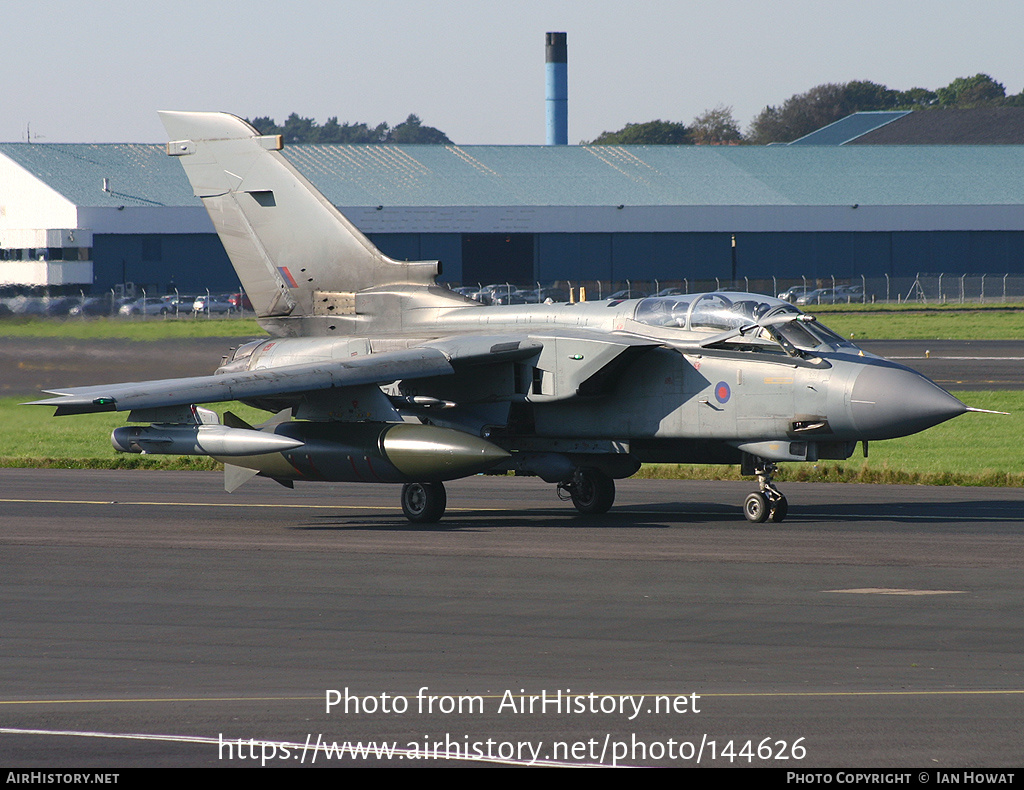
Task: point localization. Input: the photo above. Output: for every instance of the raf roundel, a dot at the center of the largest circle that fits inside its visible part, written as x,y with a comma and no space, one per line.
722,392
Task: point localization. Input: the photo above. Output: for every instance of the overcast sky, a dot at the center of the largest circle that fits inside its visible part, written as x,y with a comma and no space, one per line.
80,71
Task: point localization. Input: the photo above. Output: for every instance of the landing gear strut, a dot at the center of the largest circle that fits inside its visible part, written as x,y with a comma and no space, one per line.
591,491
769,502
424,503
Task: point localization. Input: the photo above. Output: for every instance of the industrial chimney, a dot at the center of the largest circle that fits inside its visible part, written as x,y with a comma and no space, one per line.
557,80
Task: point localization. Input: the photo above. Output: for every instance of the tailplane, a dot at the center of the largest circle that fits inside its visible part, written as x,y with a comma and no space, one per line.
295,254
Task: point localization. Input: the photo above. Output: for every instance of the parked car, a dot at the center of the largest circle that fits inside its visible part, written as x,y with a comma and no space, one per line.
554,294
180,305
149,305
489,293
850,293
62,305
794,293
516,297
240,301
842,294
94,305
27,305
209,305
627,293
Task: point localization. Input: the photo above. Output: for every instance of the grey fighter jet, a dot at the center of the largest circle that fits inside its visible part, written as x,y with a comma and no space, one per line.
374,373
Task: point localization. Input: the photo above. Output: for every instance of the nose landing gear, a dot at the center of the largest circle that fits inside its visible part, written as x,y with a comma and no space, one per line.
769,502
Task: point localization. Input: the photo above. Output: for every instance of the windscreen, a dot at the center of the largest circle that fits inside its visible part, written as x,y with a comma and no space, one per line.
721,312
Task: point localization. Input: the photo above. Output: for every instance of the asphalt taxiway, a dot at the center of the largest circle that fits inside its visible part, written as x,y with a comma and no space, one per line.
152,619
958,364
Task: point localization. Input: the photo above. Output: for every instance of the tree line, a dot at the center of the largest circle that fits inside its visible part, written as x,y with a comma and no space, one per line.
305,130
799,115
803,113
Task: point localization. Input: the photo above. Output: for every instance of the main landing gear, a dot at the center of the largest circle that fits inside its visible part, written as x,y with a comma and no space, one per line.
769,502
424,503
591,491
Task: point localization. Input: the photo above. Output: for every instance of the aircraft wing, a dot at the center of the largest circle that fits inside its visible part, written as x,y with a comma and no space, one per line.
378,368
604,358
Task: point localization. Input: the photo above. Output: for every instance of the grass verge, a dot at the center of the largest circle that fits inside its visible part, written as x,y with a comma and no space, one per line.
141,329
917,324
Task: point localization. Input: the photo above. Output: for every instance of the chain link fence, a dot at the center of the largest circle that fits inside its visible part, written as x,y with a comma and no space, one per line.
921,289
945,288
128,303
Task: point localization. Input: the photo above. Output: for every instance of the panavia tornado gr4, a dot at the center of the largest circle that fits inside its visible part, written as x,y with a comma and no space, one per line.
374,373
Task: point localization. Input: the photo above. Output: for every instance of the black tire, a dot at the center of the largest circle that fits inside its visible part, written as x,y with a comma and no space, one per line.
755,508
593,492
424,503
779,509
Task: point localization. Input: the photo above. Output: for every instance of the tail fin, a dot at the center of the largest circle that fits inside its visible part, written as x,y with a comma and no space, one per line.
292,249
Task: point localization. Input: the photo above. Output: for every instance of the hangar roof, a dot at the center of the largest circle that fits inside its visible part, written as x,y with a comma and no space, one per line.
139,174
946,126
974,126
850,128
449,175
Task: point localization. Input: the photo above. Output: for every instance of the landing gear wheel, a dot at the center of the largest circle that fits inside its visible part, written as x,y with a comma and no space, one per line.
755,508
592,491
424,503
769,502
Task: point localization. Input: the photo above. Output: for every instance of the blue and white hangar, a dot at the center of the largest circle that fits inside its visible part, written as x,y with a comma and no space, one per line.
90,216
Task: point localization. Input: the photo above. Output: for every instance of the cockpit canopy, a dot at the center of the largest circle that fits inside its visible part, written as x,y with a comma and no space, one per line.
720,312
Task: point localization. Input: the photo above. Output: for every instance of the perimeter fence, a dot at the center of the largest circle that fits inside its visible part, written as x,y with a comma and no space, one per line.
922,288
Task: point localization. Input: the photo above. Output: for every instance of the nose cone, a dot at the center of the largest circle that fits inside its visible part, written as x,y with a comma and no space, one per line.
428,453
890,401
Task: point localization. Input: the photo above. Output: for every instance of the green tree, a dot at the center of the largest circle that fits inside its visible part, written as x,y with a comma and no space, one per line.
916,99
333,132
800,115
977,91
824,104
412,130
265,125
297,129
716,127
650,133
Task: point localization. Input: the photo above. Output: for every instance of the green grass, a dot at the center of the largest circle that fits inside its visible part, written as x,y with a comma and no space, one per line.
31,437
916,324
974,449
143,329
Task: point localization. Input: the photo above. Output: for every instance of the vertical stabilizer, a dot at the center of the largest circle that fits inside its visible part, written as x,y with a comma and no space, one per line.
290,247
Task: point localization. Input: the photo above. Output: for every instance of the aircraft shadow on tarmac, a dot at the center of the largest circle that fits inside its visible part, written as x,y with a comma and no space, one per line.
986,513
963,515
478,521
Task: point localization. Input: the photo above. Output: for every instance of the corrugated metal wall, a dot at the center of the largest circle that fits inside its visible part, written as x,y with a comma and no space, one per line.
194,262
